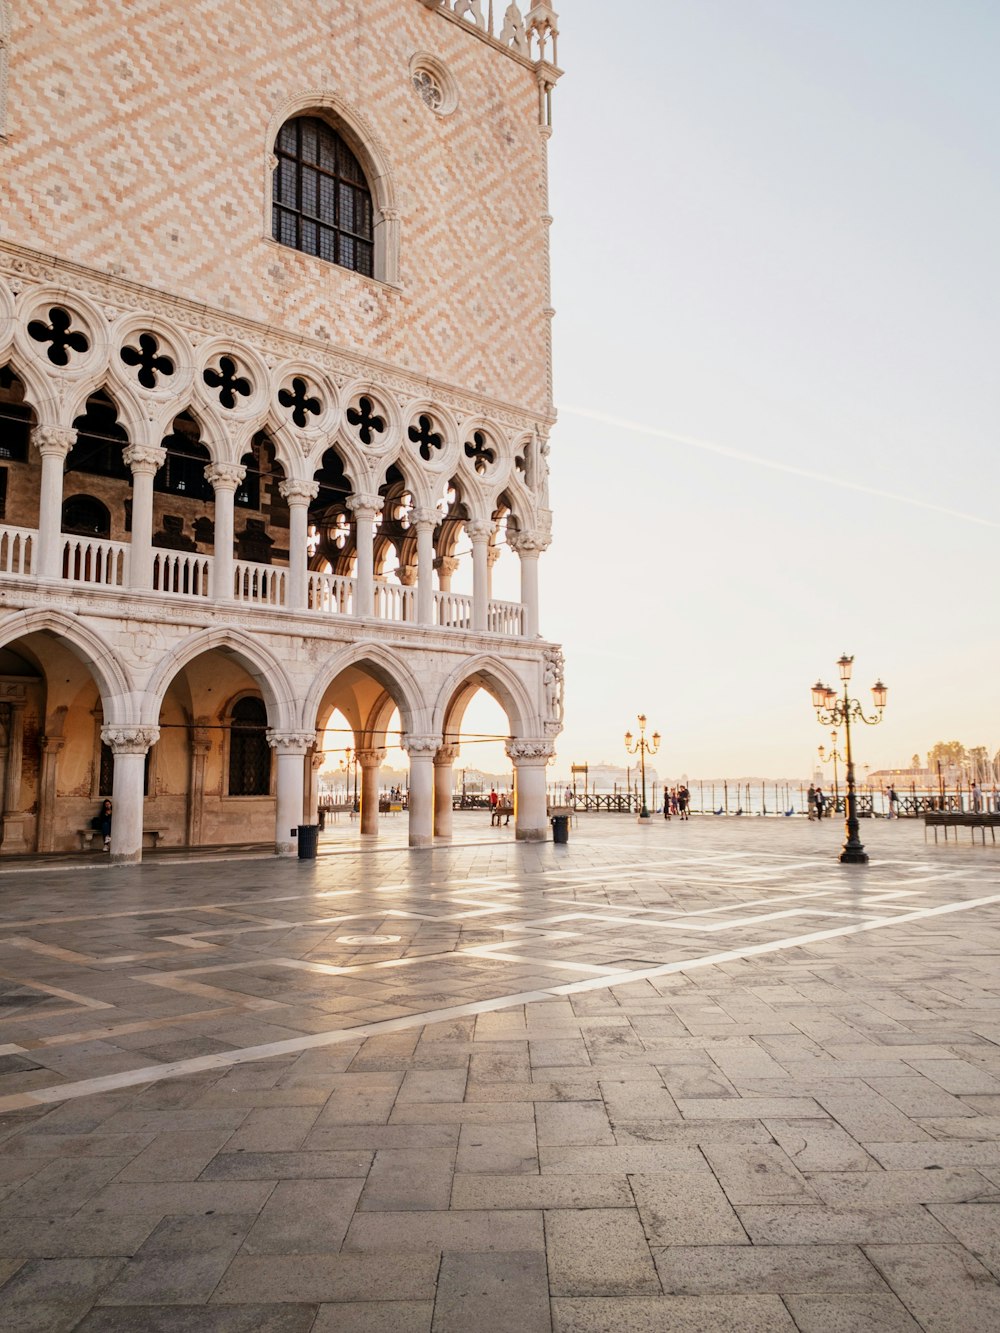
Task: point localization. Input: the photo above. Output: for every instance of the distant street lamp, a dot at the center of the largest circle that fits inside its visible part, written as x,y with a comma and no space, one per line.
834,711
642,747
834,755
350,761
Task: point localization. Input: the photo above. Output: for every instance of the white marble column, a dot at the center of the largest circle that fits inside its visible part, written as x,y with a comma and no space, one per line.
371,761
364,508
424,520
290,749
53,443
528,547
529,757
224,478
130,745
298,494
13,818
480,531
145,461
420,803
444,784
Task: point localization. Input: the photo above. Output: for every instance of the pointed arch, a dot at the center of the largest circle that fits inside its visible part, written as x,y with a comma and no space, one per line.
498,679
385,666
256,660
116,689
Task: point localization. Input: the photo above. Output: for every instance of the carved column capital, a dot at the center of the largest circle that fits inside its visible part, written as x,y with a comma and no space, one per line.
148,458
447,564
291,742
317,758
296,491
363,505
201,740
529,543
446,755
421,745
531,751
225,476
371,758
479,529
51,744
58,440
424,518
129,739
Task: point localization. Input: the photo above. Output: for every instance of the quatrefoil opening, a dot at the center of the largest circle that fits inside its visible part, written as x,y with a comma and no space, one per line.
426,437
60,335
366,419
482,456
302,403
147,357
229,383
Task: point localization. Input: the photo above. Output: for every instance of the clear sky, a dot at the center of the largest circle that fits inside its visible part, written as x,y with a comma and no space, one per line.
775,254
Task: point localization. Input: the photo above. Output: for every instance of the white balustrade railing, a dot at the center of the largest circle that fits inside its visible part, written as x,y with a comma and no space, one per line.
331,594
453,610
264,585
95,560
394,602
182,573
505,618
17,550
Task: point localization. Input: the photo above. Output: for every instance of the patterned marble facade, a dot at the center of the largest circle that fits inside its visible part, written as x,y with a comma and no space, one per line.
236,476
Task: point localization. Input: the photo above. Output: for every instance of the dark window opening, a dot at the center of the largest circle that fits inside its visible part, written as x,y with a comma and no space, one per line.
183,473
99,441
249,752
86,517
322,203
106,778
16,418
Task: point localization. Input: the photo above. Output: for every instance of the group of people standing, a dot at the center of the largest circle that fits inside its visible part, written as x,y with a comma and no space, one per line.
677,801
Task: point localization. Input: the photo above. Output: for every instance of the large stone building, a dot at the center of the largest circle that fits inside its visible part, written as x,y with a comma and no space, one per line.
274,370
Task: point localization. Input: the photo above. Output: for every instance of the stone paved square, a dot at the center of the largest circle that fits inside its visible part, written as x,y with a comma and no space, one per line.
688,1076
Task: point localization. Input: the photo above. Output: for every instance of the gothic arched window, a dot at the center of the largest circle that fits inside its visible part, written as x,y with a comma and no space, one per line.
321,201
249,752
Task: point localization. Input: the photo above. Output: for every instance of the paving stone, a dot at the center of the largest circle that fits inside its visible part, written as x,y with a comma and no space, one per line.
756,1174
819,1145
80,1237
431,1233
976,1226
192,1197
708,1269
533,1191
323,1278
678,1314
497,1148
748,1108
847,1313
598,1252
573,1123
619,1161
286,1165
686,1209
57,1281
304,1217
942,1286
880,1189
696,1080
408,1179
374,1317
492,1293
788,1224
180,1263
288,1318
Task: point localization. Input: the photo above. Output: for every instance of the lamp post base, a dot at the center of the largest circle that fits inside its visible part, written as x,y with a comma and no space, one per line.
644,816
854,856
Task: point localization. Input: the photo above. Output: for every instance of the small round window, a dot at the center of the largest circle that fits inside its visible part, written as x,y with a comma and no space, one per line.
433,84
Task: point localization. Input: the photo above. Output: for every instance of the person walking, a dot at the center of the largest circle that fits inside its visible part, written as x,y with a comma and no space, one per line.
893,803
683,801
820,800
494,807
811,801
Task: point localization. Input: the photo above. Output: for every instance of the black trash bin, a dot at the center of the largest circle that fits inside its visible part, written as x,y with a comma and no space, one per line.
560,828
308,841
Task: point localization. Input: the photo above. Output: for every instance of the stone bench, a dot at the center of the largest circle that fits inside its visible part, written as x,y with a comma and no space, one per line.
87,836
946,819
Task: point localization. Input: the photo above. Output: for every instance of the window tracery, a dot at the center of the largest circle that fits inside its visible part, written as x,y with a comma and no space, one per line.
321,202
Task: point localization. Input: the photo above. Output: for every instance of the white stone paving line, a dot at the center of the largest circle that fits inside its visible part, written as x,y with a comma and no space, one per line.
293,1046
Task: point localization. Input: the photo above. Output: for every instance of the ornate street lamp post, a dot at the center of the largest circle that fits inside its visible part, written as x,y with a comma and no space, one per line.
642,747
834,711
834,755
